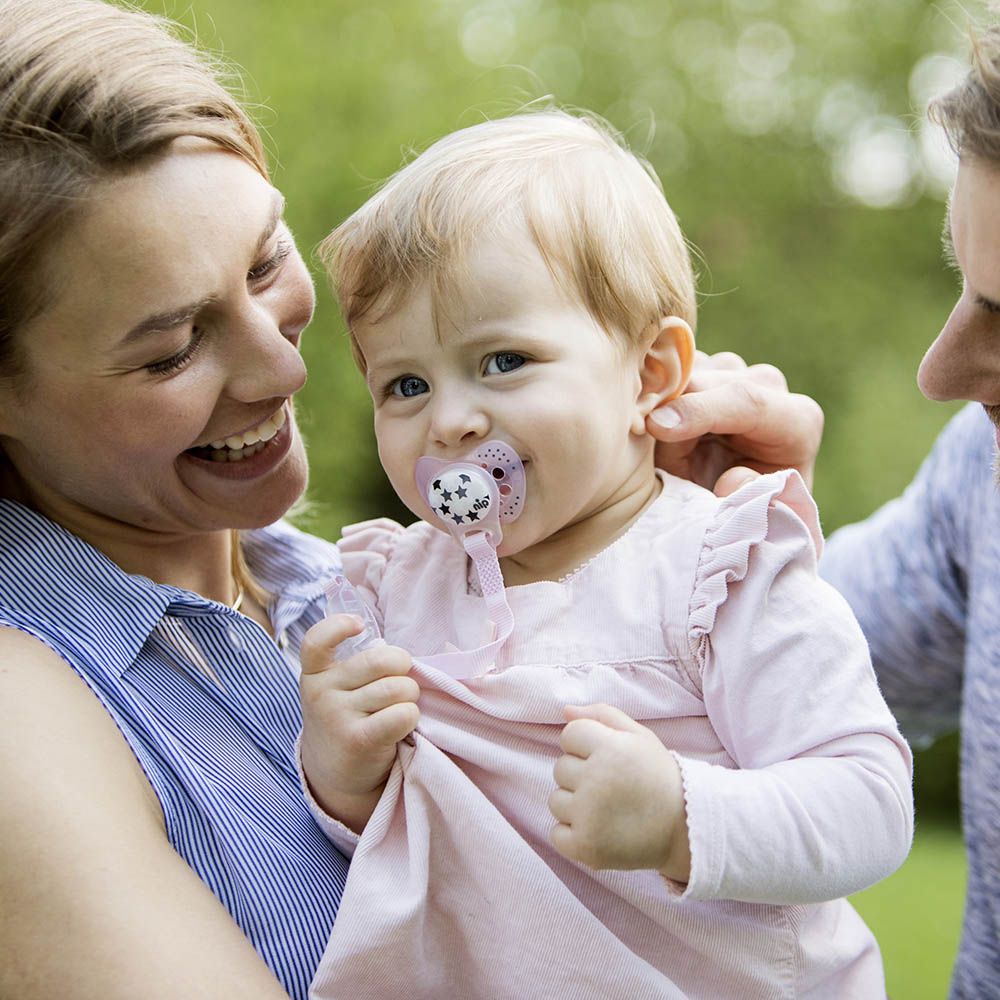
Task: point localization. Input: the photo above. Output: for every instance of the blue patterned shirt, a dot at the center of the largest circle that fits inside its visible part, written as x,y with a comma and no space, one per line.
209,704
923,577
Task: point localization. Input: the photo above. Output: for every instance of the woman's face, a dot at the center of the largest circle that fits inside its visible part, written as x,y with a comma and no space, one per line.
173,312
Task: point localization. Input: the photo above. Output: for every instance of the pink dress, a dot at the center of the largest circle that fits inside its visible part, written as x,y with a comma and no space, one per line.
706,622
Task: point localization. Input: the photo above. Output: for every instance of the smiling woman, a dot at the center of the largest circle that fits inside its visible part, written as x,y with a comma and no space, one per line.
152,301
175,302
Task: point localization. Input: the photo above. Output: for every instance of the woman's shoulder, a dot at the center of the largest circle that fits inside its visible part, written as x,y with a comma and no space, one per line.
58,739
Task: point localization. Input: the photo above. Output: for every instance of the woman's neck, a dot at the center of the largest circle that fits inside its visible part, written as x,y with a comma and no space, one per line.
577,543
196,561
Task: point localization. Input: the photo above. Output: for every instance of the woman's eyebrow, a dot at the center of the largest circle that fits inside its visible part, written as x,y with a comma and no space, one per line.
277,211
159,322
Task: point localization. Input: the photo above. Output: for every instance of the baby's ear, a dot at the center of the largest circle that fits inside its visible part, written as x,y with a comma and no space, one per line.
665,365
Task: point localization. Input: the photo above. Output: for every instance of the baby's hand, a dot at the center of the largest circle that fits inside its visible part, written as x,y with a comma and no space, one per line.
354,712
620,803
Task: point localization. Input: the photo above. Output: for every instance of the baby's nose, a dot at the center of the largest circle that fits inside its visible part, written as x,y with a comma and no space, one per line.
459,422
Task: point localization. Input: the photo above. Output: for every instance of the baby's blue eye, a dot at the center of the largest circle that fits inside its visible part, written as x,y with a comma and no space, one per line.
408,385
504,361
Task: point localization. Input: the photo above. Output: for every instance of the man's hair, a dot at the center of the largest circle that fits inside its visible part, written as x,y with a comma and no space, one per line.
595,210
970,112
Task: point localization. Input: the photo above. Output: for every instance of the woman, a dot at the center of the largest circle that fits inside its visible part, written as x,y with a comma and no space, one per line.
151,305
153,839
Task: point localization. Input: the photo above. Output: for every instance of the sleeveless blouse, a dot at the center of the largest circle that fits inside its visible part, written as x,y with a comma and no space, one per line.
209,704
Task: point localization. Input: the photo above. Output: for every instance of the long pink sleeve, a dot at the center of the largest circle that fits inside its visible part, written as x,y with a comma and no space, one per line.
819,805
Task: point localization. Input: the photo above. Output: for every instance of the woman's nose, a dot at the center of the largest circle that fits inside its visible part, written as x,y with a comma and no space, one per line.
266,361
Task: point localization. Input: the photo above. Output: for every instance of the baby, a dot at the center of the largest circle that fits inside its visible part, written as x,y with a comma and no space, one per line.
659,758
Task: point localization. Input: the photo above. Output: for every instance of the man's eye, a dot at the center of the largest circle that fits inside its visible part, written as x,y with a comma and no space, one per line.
504,361
408,385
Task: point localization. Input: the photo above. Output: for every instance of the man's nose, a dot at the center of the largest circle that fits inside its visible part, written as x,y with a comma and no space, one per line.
964,360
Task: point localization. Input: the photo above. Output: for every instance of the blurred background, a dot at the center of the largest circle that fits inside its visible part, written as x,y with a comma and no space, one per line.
791,141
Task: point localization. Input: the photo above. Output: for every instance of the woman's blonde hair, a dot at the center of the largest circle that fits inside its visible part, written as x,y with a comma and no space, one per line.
596,211
88,89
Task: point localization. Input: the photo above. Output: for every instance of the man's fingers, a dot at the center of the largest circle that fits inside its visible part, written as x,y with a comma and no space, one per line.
733,479
732,407
725,360
782,427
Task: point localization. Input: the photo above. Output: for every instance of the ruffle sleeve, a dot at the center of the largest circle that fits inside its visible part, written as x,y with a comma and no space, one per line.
366,548
815,801
740,524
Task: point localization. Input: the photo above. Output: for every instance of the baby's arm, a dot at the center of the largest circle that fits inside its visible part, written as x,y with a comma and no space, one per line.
354,712
619,801
819,804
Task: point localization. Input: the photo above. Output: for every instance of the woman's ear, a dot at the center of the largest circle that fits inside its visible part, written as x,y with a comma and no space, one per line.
665,366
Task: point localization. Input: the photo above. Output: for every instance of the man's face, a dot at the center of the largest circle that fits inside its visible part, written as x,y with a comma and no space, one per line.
964,360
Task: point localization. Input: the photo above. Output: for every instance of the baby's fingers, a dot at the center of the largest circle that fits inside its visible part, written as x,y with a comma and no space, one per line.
569,771
385,692
387,727
318,644
568,843
561,806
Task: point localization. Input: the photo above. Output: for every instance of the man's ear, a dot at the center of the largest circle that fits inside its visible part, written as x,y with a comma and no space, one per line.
665,366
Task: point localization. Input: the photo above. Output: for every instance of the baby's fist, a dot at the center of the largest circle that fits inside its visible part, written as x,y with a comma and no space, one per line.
619,803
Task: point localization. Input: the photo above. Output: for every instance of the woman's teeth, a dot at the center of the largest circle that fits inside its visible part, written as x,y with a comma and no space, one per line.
240,446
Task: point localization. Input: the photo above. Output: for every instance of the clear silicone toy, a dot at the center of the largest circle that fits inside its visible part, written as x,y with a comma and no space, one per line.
343,599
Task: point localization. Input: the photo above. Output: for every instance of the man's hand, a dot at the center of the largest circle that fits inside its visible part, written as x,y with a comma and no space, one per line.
620,802
734,422
354,712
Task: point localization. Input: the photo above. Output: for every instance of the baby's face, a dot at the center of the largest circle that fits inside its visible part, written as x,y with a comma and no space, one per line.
511,357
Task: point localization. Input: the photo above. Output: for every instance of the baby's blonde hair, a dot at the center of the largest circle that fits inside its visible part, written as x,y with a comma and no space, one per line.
596,211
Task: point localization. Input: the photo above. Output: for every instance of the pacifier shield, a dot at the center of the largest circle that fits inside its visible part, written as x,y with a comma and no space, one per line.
476,492
461,495
501,462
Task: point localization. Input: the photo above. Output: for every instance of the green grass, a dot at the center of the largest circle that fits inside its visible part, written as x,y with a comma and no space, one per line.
916,914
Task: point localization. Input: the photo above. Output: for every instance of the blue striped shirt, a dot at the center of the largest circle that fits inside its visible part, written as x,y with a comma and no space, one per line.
209,705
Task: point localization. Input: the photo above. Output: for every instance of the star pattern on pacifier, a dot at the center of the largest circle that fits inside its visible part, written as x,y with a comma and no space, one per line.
457,497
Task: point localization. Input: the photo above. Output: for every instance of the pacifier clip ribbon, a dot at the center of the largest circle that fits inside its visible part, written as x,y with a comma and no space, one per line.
471,497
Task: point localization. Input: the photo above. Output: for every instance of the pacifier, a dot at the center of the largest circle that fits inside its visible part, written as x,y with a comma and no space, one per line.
471,497
474,493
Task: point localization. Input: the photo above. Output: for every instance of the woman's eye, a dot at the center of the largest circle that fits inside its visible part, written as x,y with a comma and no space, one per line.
167,366
272,263
504,361
408,385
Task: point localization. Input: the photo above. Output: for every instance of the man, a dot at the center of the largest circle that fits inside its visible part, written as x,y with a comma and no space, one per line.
923,573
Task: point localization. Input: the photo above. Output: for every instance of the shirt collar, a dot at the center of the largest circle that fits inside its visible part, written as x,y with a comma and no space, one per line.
60,585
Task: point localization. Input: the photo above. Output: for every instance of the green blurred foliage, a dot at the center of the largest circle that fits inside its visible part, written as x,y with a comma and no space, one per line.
744,107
